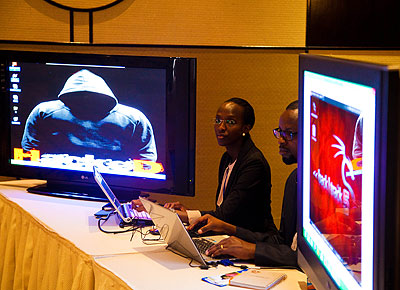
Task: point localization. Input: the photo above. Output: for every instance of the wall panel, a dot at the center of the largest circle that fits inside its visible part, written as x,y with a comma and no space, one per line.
33,20
174,22
191,22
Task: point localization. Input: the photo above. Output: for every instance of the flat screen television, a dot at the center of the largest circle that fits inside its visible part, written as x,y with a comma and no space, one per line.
348,177
131,116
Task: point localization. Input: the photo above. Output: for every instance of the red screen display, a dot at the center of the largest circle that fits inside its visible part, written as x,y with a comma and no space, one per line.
335,177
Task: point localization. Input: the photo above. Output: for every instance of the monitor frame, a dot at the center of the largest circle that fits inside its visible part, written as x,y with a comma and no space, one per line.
386,255
180,117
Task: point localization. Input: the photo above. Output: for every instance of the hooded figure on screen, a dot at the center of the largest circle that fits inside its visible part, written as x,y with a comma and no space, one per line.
87,119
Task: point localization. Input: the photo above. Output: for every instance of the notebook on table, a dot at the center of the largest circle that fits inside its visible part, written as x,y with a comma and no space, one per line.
125,212
176,236
261,279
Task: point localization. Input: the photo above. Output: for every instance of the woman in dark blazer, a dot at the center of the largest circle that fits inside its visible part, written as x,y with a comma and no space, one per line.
244,180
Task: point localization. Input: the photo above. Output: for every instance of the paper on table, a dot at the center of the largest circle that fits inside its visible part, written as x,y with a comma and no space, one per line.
257,279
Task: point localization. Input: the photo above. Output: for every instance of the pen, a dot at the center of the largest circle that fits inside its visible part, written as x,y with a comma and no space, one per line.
283,277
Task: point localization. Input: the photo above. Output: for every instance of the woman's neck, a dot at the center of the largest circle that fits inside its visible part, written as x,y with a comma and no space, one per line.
233,151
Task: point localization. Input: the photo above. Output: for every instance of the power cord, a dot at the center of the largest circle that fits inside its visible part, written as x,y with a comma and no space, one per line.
203,267
111,232
148,241
132,228
226,263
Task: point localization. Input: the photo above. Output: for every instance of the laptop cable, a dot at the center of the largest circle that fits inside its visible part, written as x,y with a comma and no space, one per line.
104,219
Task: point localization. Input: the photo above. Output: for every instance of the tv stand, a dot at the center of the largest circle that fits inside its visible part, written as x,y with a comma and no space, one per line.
82,192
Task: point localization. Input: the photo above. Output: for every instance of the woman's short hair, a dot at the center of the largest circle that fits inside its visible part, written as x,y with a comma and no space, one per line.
249,117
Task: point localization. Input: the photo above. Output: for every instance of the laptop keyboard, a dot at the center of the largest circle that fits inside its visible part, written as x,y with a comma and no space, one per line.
130,212
203,244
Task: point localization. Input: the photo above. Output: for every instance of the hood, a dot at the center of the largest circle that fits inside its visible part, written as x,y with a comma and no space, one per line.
87,96
86,81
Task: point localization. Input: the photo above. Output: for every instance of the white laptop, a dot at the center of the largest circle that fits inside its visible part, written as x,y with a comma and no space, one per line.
175,234
125,212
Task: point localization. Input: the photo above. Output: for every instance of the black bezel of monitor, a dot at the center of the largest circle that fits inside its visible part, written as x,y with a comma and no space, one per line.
180,128
386,254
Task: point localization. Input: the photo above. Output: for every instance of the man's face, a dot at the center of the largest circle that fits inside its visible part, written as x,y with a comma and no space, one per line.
288,148
88,105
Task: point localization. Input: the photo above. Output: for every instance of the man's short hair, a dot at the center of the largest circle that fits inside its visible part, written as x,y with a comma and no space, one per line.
293,105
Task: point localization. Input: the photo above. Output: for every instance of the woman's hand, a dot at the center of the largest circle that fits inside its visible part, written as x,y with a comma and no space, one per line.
175,205
210,223
137,204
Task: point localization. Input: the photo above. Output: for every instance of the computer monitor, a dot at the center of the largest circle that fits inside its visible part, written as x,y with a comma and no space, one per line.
349,213
131,116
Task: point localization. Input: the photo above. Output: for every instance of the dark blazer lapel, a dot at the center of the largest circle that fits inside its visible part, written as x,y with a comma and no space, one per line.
247,145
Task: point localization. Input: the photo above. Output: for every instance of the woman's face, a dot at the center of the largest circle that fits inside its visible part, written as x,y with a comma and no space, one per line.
229,126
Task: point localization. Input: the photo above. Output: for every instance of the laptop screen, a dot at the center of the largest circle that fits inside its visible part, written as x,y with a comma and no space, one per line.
106,189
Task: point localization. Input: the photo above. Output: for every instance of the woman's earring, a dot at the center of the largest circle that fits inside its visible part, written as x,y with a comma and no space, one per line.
244,134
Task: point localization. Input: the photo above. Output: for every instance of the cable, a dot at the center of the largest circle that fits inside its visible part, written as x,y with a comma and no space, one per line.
152,241
244,266
111,232
203,267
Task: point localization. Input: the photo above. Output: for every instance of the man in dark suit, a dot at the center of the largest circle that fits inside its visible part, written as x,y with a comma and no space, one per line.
266,248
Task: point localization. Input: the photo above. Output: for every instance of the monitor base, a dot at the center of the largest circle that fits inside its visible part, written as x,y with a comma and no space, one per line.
82,192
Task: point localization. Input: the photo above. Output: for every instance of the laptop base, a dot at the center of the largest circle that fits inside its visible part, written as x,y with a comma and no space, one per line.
136,223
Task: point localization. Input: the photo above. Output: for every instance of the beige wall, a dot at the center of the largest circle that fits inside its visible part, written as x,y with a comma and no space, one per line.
173,22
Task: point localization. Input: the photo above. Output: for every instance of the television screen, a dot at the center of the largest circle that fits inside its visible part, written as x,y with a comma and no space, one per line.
69,112
343,115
